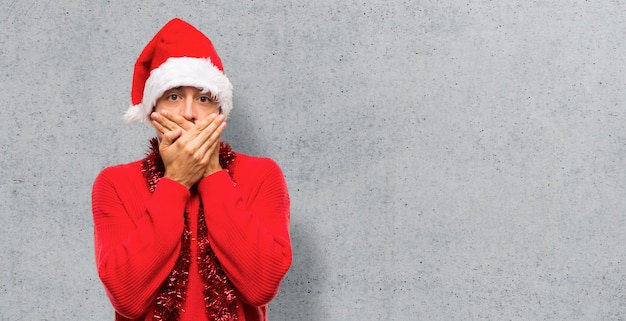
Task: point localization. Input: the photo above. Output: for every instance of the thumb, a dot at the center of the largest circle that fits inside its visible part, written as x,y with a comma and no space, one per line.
170,137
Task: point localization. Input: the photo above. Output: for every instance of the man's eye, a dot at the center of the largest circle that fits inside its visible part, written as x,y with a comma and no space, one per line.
173,97
205,99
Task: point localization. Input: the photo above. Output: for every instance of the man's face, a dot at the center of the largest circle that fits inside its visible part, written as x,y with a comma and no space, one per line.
188,102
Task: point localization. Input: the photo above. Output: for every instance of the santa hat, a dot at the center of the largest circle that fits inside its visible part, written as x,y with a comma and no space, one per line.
178,55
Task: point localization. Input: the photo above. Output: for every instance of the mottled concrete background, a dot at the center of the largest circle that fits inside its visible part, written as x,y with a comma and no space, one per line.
447,160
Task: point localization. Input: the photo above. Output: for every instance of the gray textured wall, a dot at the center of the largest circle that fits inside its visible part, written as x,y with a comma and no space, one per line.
456,160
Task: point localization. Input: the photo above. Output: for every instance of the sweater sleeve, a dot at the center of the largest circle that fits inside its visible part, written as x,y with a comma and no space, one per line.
137,238
250,237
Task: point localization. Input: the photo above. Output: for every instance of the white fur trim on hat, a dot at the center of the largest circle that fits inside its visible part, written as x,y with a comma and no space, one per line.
182,71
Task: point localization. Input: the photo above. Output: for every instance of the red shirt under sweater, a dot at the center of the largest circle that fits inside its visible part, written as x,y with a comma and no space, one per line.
138,235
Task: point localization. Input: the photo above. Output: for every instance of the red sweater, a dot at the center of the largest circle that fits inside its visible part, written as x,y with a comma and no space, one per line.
138,235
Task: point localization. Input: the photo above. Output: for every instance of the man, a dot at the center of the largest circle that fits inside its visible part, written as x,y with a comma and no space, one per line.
194,231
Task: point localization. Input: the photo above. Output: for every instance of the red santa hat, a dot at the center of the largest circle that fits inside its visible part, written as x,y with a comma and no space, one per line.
178,55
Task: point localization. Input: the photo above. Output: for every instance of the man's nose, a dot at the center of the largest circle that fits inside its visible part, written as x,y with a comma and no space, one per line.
188,111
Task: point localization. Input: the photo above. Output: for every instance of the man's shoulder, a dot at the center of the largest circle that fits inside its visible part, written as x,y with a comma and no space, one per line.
253,161
255,167
122,170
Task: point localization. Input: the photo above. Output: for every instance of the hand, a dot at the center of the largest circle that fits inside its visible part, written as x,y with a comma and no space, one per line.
189,151
165,121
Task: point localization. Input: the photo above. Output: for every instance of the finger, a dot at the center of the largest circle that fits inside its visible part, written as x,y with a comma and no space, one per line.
202,130
164,122
202,124
169,137
177,120
211,143
207,133
211,156
159,127
199,138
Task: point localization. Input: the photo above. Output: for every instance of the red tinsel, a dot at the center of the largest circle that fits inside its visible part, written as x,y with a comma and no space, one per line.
219,293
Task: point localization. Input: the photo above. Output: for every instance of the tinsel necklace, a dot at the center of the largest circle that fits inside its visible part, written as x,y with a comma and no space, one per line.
219,293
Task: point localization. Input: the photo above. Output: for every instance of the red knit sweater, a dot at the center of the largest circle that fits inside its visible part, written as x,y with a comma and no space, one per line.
138,235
